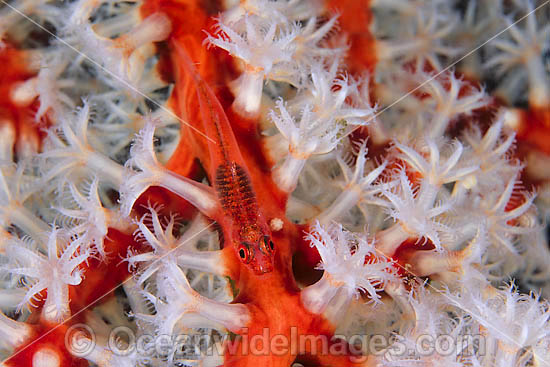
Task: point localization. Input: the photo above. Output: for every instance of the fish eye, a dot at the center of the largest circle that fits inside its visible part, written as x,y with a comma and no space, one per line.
244,253
266,245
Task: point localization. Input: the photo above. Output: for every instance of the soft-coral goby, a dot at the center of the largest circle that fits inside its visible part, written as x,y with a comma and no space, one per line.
458,215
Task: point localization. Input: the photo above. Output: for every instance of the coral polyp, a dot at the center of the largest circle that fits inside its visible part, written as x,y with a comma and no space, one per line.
274,183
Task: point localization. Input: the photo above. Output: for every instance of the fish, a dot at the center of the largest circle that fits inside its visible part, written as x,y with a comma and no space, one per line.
240,217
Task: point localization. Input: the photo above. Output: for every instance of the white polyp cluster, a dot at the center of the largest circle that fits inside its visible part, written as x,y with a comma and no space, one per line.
426,320
423,38
272,45
88,218
502,222
73,183
54,271
523,46
450,97
69,154
166,248
125,55
357,186
329,108
306,138
14,191
510,320
266,50
48,86
335,95
438,170
351,264
491,152
437,195
417,211
152,173
176,302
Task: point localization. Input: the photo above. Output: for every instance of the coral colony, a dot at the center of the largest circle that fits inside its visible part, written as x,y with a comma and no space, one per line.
274,183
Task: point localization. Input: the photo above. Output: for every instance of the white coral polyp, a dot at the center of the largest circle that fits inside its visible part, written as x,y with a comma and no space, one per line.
415,209
525,44
167,249
330,107
152,173
122,56
68,152
89,219
350,262
177,301
274,48
265,46
54,271
450,97
464,198
358,186
437,170
516,320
